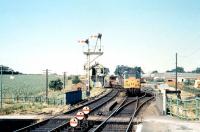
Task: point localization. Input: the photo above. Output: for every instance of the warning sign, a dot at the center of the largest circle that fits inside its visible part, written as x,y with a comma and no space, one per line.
80,115
73,122
86,110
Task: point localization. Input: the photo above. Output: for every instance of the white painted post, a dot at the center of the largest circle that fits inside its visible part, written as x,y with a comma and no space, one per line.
164,101
65,99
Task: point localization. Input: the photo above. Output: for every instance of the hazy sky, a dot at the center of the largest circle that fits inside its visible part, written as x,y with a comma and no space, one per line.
40,34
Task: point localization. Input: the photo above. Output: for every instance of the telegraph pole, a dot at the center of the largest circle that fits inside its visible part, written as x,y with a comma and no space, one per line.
1,87
64,79
88,70
47,84
176,74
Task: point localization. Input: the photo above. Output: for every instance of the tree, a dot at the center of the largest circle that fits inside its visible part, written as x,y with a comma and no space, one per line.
76,80
106,71
179,69
120,70
69,77
160,80
197,70
153,72
189,82
56,84
8,70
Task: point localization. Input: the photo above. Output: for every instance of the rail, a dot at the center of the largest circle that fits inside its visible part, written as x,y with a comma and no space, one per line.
93,108
135,112
98,127
33,126
102,125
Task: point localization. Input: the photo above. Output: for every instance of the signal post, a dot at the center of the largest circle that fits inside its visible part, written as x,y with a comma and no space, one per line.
89,53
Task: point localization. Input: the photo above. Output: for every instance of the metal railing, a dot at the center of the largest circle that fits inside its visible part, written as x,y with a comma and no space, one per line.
38,99
184,109
191,90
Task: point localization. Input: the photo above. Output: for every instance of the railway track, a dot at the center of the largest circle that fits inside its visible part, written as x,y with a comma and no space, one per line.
94,107
128,108
53,124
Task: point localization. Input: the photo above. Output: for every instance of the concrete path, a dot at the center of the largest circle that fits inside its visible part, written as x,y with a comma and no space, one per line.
167,124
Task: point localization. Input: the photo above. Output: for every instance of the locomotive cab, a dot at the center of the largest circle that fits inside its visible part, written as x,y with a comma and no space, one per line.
132,85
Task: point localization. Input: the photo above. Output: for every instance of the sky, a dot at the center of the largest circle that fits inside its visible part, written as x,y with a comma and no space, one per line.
42,34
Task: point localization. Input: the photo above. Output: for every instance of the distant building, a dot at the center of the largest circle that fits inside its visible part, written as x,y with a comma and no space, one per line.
181,76
170,78
99,72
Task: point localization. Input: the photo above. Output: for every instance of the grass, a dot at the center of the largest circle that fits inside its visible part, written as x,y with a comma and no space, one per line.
32,108
29,85
96,91
25,85
34,85
21,108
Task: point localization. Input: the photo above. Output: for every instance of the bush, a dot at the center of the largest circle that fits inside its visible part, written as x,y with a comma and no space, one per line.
56,84
160,80
189,82
76,80
69,78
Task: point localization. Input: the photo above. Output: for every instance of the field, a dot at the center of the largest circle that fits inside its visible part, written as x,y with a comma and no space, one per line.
25,85
35,86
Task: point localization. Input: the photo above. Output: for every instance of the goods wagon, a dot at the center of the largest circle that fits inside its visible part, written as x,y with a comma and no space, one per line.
73,97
